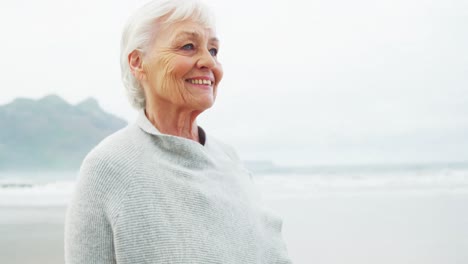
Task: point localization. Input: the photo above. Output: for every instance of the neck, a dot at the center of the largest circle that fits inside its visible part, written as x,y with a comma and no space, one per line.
172,120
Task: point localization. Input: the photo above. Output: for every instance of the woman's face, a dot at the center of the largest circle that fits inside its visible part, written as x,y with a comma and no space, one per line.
181,67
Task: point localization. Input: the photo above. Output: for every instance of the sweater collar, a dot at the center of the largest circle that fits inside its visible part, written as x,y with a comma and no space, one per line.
146,125
149,128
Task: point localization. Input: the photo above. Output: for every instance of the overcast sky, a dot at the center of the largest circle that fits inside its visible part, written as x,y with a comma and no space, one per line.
306,82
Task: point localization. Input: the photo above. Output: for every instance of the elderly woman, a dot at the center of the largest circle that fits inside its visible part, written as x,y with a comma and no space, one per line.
162,190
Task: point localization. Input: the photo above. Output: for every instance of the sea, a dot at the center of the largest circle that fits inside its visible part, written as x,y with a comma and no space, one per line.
331,214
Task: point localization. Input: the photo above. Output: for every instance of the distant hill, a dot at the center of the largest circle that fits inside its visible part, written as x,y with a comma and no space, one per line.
50,133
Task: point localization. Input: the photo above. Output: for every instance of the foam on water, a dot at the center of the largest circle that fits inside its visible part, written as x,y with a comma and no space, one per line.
303,186
53,189
36,188
26,194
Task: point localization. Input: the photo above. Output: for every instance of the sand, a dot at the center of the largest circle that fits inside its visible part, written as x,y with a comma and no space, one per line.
325,228
369,228
31,235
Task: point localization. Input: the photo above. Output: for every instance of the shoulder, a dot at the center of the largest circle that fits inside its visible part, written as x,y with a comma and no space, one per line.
222,149
117,152
118,145
219,146
109,168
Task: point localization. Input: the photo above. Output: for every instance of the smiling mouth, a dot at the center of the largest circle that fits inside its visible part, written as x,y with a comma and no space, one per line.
200,81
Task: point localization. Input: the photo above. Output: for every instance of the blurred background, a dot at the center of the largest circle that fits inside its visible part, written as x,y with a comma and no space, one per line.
353,117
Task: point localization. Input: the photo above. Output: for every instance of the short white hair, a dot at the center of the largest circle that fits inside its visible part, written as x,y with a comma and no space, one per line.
139,32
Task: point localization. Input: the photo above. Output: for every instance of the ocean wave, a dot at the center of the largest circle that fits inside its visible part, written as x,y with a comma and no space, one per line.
284,186
20,193
24,192
16,185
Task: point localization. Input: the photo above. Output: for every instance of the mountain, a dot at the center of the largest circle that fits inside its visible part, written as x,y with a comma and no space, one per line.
50,133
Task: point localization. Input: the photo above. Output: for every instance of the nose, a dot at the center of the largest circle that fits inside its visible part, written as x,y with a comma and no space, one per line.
206,60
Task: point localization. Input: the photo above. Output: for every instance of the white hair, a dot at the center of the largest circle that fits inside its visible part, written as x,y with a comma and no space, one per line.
139,32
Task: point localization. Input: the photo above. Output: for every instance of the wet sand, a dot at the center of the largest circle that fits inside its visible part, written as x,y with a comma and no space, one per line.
369,228
325,228
31,235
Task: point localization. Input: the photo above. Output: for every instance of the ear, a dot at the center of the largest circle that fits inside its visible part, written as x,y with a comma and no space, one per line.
135,61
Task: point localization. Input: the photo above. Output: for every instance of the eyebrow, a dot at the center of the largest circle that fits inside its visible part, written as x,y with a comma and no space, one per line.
194,35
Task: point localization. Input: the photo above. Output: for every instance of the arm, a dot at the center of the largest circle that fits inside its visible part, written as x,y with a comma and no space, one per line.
88,232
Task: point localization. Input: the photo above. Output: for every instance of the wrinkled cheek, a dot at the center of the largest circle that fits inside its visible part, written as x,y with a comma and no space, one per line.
176,89
165,81
219,69
218,72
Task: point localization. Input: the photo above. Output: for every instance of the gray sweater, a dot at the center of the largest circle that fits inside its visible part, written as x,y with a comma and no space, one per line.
147,197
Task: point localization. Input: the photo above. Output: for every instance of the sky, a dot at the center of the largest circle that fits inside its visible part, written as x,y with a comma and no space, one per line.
305,82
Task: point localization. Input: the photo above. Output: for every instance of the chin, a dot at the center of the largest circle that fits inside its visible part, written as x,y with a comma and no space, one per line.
205,104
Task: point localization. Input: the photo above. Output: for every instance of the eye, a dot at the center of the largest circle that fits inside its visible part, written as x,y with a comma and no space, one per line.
213,52
189,46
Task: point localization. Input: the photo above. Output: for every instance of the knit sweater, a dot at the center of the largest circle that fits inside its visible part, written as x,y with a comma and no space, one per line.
147,197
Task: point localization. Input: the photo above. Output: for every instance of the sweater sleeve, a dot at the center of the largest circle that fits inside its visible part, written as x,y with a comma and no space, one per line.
88,231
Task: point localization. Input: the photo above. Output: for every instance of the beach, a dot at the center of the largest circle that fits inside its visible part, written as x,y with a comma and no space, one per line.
408,215
31,234
405,216
377,228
